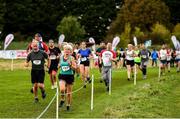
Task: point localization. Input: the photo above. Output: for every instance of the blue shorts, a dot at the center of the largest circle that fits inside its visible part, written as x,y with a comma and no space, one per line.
177,60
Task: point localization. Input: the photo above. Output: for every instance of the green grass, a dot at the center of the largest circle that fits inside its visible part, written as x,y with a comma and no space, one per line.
149,98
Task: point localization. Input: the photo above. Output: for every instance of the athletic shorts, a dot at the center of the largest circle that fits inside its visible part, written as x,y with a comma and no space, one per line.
69,79
130,62
163,61
177,60
52,69
37,76
138,63
168,61
85,63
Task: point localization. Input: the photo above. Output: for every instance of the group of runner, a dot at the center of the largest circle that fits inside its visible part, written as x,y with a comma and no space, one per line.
75,59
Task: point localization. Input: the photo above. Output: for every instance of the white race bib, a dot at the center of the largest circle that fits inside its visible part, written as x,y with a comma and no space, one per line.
65,68
83,59
106,62
37,62
52,57
144,56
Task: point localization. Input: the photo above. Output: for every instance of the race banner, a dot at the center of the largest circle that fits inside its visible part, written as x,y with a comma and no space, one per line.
115,42
13,54
135,40
175,42
61,39
8,40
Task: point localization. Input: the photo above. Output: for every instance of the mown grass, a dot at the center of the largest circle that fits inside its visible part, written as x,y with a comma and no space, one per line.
149,98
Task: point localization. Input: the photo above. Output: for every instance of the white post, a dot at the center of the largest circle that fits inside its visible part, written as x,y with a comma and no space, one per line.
57,101
159,70
12,63
135,72
110,81
92,92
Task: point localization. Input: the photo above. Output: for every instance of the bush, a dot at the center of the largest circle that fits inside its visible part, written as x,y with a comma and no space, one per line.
125,36
176,31
160,34
71,28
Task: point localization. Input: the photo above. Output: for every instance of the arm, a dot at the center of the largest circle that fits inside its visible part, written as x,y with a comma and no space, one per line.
26,64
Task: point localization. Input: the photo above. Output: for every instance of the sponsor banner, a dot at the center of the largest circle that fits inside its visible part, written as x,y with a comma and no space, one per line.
13,54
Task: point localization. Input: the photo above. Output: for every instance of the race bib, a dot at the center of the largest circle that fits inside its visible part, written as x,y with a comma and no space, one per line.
52,57
107,62
168,58
37,62
83,59
144,56
65,68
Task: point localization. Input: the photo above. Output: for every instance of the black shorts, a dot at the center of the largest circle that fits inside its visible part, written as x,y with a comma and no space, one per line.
52,69
69,79
168,61
37,76
85,63
130,62
163,62
138,63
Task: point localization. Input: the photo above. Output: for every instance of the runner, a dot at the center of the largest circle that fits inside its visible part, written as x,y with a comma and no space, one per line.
98,53
144,53
154,56
130,61
37,57
169,52
107,56
177,54
41,45
137,59
54,54
66,75
163,59
84,54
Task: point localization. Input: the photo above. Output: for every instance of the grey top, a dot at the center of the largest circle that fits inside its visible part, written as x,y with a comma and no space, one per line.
144,55
37,59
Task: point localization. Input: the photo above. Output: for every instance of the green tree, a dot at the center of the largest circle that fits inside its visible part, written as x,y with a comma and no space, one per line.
125,35
176,31
71,28
160,34
142,14
2,12
174,9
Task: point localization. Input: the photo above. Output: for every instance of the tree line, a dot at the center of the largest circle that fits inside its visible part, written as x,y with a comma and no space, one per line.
100,19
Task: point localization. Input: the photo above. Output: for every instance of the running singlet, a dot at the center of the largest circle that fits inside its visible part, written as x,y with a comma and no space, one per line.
53,55
65,68
144,55
163,54
177,54
106,55
137,58
84,54
37,59
168,55
129,55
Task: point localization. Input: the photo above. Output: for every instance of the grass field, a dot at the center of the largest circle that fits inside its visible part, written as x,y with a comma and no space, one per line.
149,98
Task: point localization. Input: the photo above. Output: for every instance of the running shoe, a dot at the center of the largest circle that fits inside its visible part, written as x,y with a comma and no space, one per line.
36,100
43,94
68,108
61,103
31,90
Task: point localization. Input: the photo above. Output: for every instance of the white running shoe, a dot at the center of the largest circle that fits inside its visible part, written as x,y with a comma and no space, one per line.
55,86
52,87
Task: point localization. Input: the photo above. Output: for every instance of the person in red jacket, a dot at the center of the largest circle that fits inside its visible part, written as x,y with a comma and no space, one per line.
42,46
